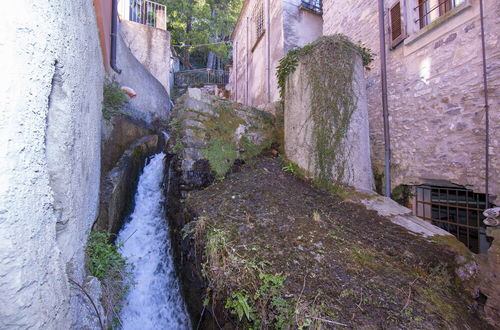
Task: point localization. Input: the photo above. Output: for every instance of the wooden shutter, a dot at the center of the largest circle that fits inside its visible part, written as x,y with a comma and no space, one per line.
397,27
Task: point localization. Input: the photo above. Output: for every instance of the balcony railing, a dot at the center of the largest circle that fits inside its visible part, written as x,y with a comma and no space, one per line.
315,6
429,10
200,77
143,11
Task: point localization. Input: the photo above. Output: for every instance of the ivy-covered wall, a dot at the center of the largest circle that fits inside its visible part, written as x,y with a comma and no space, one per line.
326,117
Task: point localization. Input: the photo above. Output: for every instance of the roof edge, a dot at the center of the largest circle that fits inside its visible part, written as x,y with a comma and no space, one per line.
240,18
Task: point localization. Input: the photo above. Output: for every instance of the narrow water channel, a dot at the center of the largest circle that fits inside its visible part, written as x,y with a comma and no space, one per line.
155,301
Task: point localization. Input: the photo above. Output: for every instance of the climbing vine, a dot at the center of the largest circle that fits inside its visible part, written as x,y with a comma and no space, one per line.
329,67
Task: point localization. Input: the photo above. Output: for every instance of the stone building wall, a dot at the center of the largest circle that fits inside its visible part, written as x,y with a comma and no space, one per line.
435,87
300,26
50,115
289,27
250,56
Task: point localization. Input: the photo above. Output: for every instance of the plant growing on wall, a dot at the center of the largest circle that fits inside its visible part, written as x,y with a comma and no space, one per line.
329,66
113,100
105,262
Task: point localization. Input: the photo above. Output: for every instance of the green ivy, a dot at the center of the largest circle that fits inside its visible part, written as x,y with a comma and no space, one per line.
329,66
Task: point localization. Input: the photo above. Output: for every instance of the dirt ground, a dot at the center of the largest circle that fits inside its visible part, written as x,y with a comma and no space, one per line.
280,253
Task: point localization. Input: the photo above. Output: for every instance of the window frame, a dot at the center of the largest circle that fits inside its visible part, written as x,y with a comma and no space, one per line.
413,28
404,34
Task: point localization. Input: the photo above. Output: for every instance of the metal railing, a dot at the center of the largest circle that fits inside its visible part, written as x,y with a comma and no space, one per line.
145,12
428,10
315,6
200,77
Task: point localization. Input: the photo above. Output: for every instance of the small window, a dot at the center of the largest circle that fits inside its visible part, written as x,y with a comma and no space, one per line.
396,24
457,210
430,10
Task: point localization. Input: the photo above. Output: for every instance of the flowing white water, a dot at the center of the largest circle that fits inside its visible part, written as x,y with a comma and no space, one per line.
154,302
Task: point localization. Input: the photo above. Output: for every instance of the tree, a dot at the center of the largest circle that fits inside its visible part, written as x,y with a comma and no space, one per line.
201,22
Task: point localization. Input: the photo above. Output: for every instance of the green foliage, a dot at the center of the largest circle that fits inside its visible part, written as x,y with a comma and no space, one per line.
175,125
113,100
238,303
287,66
103,258
329,67
378,177
291,168
259,297
221,156
268,298
178,147
114,272
250,149
402,194
366,55
195,22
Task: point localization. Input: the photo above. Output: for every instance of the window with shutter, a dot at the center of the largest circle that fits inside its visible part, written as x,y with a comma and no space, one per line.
396,24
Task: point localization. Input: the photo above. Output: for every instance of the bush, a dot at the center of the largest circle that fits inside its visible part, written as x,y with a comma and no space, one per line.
113,100
112,269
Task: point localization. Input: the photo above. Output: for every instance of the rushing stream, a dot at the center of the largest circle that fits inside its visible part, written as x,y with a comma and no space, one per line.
154,302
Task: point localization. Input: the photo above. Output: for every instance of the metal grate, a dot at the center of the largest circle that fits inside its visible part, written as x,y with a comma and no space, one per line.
428,10
456,210
315,6
258,19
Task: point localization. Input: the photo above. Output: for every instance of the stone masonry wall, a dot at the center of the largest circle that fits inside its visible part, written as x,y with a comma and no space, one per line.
435,94
50,111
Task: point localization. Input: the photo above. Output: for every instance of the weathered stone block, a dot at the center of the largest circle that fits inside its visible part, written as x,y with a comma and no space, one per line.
352,163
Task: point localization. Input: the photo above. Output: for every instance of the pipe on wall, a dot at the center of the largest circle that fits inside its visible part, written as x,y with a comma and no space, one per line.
114,34
385,107
235,82
268,49
486,106
247,64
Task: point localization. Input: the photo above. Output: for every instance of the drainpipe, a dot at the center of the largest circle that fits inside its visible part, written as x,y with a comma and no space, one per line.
486,107
383,71
247,74
114,29
268,62
235,82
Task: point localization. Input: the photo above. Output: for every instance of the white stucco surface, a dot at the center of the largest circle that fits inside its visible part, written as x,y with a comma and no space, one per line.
152,100
50,109
151,47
